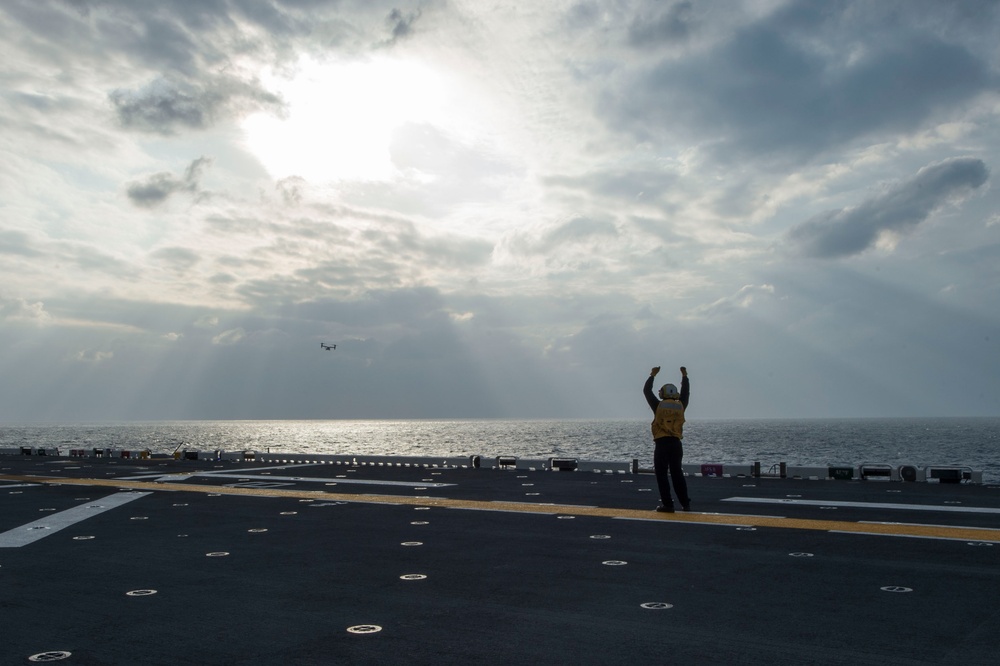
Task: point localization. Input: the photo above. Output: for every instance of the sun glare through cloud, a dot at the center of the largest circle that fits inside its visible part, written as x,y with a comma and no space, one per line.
340,118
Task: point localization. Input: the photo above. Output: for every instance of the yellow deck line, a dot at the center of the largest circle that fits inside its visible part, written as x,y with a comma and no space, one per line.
906,530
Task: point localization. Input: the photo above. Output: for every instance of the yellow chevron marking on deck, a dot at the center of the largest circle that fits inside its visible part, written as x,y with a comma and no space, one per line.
887,529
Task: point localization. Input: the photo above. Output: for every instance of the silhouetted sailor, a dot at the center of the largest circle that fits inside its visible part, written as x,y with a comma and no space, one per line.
668,430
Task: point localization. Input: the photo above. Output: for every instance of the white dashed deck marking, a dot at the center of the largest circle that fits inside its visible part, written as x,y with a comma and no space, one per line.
43,527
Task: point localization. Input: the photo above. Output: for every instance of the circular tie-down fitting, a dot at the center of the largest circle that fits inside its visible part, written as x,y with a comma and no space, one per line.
140,593
54,655
614,563
800,554
413,577
896,588
364,629
656,605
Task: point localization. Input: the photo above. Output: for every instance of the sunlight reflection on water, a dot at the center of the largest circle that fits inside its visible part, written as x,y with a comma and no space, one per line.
960,441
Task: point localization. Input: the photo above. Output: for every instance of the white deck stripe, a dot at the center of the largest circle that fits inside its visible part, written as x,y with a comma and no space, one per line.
43,527
302,479
865,505
884,522
314,479
921,536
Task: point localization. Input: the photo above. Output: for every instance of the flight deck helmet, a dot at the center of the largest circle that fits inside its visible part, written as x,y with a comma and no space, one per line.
669,392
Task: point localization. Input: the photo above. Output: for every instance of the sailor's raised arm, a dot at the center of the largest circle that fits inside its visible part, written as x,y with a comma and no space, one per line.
647,389
685,387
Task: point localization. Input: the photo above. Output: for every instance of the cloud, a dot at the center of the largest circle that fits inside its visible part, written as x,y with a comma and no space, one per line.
167,105
291,190
17,243
179,259
796,83
95,357
670,24
593,173
562,236
624,185
230,337
406,308
741,300
312,257
579,230
896,212
400,23
19,310
157,188
432,150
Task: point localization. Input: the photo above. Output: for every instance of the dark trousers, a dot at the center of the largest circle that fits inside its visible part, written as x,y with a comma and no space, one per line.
667,458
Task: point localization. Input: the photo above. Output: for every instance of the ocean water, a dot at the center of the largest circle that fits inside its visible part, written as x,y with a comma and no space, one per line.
972,442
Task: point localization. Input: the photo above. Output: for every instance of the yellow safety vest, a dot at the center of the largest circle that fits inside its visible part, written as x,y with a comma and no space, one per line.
669,419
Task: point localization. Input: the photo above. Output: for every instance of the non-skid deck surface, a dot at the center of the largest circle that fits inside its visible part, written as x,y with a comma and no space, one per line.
191,562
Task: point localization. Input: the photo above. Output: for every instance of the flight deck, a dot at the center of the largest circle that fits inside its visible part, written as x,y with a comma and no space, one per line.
180,561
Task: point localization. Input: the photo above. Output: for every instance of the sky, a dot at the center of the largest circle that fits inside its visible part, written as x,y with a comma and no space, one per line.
498,209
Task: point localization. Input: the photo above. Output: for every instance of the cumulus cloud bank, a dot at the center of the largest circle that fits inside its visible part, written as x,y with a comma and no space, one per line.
898,211
165,106
770,89
491,206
